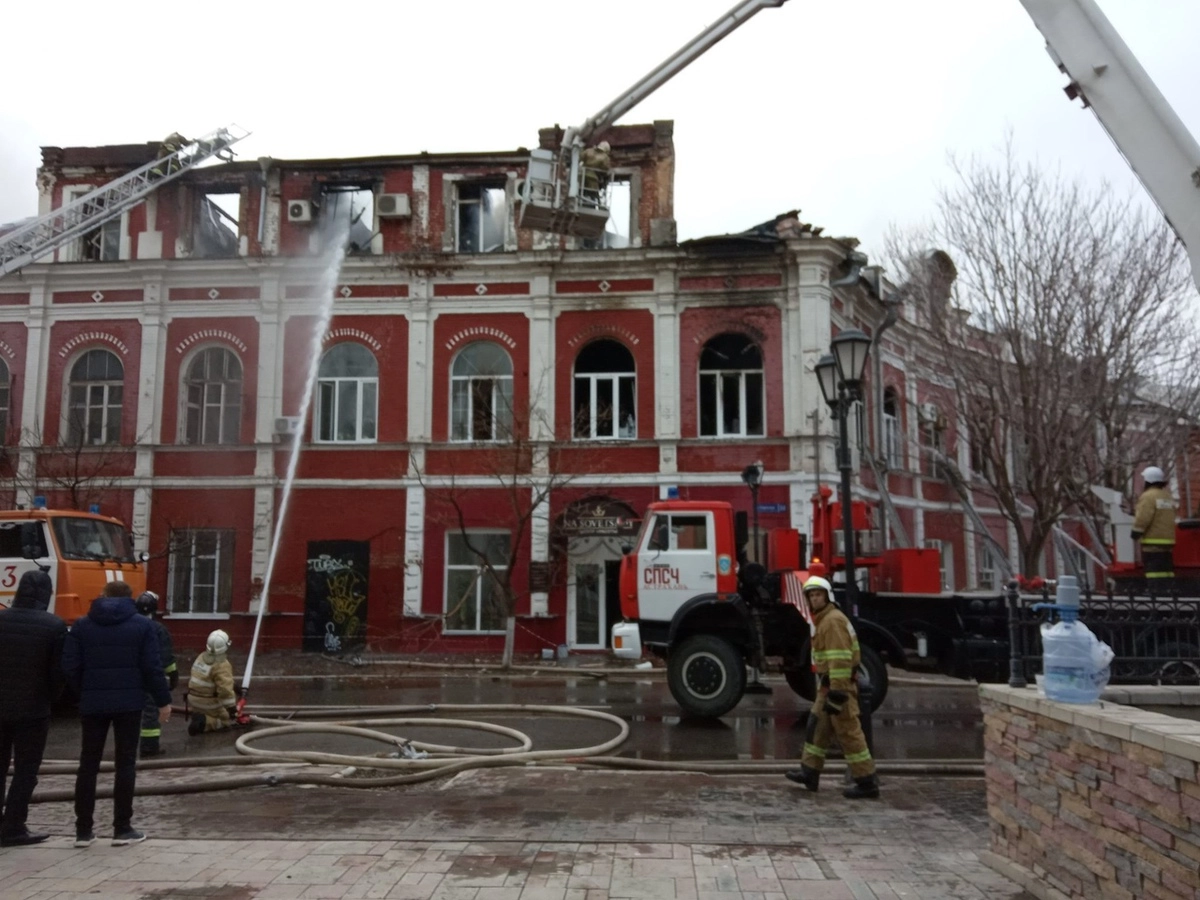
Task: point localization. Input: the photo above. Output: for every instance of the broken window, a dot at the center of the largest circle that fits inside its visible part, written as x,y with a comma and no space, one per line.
620,218
731,388
605,392
481,381
482,218
893,435
94,399
351,206
347,394
213,408
215,226
101,244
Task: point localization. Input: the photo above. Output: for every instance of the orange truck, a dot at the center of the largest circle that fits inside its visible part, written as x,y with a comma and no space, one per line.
80,551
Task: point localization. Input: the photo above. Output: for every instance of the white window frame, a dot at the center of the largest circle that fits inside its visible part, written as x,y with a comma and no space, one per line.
462,389
989,571
461,201
740,374
619,431
184,553
229,397
5,399
481,573
366,411
72,251
106,406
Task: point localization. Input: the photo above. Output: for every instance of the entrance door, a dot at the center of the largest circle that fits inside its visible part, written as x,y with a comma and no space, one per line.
587,611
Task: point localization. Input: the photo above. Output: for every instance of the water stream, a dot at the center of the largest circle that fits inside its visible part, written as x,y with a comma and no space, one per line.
331,261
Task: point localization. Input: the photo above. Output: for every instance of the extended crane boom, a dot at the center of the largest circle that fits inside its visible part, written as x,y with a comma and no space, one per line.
559,195
1106,75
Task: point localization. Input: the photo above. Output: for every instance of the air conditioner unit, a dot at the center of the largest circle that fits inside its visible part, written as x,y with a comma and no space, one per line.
287,426
300,211
393,206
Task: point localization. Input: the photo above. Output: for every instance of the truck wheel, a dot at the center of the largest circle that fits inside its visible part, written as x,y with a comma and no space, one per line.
706,675
800,677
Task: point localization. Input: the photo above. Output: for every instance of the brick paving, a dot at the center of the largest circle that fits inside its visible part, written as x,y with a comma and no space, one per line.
528,834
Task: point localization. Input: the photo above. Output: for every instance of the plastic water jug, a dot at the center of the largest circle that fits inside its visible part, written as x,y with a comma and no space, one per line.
1074,663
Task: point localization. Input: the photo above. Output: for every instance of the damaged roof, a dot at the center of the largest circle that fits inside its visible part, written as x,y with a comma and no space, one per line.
785,226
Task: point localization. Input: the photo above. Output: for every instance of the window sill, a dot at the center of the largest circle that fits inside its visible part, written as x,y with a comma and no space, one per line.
211,617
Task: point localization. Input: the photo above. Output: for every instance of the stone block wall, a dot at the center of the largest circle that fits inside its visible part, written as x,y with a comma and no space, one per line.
1092,801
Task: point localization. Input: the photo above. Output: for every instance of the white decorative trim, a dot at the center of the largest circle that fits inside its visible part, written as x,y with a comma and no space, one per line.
364,336
208,333
7,350
481,331
93,336
597,330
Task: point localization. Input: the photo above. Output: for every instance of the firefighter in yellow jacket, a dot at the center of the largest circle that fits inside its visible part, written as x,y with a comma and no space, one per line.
836,658
212,701
1154,526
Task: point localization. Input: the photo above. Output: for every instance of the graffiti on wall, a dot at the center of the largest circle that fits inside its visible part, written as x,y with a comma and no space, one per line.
335,601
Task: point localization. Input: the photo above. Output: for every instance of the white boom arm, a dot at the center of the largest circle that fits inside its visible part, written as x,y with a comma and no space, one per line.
1148,132
682,58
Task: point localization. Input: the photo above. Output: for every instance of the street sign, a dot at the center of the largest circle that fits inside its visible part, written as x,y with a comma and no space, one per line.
772,507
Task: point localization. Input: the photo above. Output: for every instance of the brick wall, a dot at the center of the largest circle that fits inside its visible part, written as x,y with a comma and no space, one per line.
1092,801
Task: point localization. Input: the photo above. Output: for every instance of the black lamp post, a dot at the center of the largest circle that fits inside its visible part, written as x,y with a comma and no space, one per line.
753,475
840,374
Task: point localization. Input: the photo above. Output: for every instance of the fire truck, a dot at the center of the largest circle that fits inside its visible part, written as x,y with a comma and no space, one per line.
80,551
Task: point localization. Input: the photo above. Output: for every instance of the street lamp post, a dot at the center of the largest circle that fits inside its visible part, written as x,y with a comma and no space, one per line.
753,475
840,374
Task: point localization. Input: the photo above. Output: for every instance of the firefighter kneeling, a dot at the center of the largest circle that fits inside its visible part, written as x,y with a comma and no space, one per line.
212,701
835,656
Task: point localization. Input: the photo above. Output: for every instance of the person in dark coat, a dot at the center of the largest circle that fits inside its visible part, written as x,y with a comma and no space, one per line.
31,678
112,658
147,605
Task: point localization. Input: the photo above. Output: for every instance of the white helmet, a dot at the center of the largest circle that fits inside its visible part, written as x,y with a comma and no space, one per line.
1153,475
816,581
218,642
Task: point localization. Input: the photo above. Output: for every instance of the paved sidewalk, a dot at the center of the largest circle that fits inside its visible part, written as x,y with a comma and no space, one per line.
530,834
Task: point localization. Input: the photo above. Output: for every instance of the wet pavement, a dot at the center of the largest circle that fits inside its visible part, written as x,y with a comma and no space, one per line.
555,832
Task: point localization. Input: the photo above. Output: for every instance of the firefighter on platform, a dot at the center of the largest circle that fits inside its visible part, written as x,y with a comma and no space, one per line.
596,162
1154,526
147,605
836,658
212,701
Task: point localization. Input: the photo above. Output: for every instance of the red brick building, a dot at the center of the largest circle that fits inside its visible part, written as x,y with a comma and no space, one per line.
160,358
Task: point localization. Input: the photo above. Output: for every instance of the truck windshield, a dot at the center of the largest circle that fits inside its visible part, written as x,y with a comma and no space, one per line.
81,538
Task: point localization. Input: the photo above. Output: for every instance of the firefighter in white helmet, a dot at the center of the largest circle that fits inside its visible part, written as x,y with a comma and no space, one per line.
836,657
1154,526
212,701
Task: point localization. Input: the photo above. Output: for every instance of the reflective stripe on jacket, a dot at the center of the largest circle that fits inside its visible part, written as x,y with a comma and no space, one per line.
835,648
1154,517
210,687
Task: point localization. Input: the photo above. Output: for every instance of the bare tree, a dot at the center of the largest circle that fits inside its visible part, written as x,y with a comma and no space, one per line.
525,468
1064,331
71,471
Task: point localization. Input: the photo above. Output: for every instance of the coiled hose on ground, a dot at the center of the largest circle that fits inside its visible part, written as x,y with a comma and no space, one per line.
417,761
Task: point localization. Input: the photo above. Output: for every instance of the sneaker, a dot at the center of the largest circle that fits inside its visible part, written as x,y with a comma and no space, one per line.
22,839
127,836
84,838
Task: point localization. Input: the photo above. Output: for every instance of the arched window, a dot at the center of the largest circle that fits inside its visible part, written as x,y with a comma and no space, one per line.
213,398
347,394
94,396
731,388
893,434
481,394
5,400
605,392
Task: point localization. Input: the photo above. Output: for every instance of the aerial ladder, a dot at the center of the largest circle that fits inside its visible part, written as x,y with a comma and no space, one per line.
1107,77
562,195
47,233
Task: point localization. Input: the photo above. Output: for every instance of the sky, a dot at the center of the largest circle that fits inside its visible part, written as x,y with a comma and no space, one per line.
848,110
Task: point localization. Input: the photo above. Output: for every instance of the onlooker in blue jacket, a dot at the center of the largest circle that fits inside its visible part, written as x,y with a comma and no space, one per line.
111,658
31,644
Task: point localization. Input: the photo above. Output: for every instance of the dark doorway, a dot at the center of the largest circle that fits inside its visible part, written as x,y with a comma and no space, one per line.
612,596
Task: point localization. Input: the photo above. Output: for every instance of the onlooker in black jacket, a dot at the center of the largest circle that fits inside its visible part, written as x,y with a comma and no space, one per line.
31,645
111,658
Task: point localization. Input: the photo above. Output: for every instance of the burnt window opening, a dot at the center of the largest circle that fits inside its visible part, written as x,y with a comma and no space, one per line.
215,227
620,217
482,217
101,244
353,206
732,402
605,392
893,434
